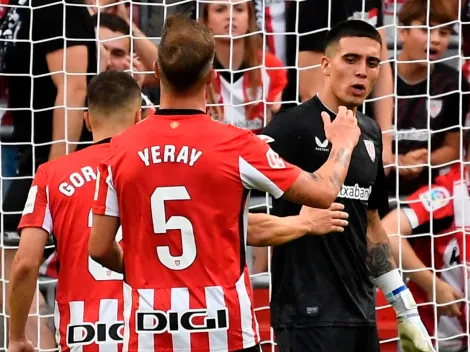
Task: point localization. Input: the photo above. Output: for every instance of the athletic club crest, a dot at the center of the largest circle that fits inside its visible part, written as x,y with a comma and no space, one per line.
370,149
434,107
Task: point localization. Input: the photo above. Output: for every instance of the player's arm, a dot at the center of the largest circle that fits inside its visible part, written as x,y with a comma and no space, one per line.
268,230
385,275
24,275
102,245
34,228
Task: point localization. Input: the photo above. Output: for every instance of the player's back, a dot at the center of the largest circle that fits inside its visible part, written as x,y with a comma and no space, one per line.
60,202
182,184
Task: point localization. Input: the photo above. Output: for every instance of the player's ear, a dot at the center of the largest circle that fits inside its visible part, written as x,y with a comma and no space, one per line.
325,65
210,77
138,116
86,115
402,32
156,70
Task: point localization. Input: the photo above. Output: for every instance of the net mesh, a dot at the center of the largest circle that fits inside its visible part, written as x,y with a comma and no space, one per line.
235,103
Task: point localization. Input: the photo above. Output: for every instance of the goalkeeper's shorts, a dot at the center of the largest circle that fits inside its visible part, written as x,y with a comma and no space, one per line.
328,339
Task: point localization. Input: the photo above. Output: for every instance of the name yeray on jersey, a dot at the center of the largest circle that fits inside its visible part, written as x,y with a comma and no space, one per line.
169,154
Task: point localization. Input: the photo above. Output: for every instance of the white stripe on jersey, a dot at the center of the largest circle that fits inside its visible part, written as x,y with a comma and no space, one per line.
146,302
112,205
108,315
47,224
180,303
254,179
218,340
127,297
77,312
249,338
57,325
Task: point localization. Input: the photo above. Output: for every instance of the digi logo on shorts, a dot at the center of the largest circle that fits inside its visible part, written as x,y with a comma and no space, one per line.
196,320
88,333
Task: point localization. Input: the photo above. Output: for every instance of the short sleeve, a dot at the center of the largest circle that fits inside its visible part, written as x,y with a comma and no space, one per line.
105,200
50,27
379,195
426,201
36,211
262,168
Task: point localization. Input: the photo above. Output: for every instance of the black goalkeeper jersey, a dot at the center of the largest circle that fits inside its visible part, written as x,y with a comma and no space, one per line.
323,280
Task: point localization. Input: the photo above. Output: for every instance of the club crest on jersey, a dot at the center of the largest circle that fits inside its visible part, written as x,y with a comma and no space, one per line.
174,124
434,107
435,199
370,149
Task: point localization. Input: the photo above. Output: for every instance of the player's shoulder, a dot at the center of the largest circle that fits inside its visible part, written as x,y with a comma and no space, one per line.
369,125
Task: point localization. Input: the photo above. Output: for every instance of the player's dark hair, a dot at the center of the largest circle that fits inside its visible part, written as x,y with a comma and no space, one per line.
112,92
185,54
440,12
112,22
351,28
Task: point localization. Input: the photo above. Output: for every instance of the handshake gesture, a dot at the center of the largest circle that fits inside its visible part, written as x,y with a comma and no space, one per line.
343,131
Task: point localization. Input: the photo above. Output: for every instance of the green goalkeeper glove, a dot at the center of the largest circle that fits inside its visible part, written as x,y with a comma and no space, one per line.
411,331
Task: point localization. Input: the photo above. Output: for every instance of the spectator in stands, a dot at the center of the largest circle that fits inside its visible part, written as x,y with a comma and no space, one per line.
243,75
443,110
315,16
112,34
440,209
44,132
142,46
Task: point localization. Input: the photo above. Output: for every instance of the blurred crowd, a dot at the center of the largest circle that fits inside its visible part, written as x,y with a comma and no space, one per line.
268,54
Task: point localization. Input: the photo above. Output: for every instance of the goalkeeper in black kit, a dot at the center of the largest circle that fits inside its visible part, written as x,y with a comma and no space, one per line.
323,287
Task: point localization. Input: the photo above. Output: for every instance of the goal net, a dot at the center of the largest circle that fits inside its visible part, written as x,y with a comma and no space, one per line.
251,86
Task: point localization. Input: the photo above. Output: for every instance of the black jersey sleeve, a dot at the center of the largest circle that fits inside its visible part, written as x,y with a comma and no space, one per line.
379,196
283,137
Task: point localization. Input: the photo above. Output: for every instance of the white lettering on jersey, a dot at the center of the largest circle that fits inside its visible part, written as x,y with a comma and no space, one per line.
355,192
77,180
31,200
435,199
168,154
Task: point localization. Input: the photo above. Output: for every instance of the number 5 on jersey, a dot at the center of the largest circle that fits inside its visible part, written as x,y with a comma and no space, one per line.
99,272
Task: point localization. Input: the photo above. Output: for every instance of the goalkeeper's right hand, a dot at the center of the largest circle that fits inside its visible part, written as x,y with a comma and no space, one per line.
412,333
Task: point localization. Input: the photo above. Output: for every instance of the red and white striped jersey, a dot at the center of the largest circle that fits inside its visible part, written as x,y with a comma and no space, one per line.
445,203
179,182
88,309
234,97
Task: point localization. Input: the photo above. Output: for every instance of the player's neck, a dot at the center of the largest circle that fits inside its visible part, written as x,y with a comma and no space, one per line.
193,101
331,102
109,132
411,73
225,49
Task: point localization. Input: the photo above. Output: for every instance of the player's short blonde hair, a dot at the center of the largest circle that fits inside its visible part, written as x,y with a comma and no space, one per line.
185,54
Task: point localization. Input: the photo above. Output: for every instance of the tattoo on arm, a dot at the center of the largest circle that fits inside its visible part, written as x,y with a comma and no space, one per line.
378,258
315,177
336,180
340,157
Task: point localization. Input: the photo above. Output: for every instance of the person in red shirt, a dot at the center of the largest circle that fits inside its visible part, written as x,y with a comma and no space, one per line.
88,309
435,257
178,184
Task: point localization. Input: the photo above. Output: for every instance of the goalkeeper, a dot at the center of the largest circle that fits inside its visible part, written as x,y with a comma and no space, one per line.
323,287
